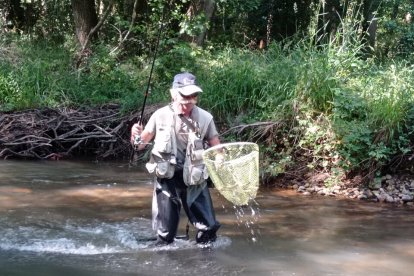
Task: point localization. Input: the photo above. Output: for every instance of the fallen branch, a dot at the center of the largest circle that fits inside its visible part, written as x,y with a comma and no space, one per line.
101,133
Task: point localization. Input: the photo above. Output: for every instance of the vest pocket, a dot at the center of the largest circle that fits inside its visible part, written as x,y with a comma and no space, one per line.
165,169
162,168
195,174
163,141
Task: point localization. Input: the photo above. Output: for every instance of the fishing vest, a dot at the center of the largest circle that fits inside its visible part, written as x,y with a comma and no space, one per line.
163,158
195,171
163,154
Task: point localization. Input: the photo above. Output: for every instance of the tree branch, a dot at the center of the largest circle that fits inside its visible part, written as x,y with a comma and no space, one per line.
98,26
131,25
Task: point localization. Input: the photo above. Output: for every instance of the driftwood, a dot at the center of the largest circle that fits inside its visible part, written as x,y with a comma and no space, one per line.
101,133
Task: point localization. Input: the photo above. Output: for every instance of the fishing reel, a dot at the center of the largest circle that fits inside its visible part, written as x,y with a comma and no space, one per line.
137,142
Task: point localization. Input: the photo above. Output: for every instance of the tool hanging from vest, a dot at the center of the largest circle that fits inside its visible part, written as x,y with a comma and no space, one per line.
153,62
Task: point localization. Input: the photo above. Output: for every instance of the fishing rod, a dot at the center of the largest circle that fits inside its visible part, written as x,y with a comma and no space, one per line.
152,65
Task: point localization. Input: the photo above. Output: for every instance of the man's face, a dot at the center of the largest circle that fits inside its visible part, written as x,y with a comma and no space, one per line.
186,103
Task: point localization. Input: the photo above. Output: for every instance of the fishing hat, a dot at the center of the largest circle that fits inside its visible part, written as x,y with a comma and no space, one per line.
185,84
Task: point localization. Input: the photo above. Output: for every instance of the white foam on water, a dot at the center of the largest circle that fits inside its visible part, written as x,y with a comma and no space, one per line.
59,246
179,244
75,237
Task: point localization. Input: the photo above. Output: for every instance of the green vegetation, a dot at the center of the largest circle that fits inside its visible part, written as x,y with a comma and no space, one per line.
339,106
40,75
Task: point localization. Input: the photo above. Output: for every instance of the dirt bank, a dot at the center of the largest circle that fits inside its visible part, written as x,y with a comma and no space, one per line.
103,133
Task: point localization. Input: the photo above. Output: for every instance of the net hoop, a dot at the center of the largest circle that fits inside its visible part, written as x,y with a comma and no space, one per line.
234,170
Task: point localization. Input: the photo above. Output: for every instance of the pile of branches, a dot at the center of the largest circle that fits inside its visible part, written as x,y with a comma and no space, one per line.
101,133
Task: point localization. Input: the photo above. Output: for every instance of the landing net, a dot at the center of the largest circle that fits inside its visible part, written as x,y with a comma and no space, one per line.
234,170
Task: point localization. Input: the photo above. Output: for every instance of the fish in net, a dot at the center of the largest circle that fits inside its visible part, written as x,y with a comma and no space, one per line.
234,170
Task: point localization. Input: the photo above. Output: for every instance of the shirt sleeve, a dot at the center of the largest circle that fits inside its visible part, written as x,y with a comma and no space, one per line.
151,124
211,130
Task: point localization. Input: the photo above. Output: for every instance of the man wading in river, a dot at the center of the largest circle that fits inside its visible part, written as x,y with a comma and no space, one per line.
180,131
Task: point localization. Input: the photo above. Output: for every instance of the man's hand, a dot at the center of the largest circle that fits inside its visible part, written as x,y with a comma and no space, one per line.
136,131
219,160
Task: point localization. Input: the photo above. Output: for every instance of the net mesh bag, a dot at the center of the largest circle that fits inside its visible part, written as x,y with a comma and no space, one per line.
234,170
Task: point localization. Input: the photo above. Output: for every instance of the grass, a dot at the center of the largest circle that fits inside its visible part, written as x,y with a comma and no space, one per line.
337,108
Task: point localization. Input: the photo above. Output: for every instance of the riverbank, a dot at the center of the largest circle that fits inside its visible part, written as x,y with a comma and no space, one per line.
393,189
104,133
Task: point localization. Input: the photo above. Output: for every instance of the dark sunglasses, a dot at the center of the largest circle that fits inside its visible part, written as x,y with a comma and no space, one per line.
189,96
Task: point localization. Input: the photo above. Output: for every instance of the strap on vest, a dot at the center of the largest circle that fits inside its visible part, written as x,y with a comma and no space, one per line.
195,129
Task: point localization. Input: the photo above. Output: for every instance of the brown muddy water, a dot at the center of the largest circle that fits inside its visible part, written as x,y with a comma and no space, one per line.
86,218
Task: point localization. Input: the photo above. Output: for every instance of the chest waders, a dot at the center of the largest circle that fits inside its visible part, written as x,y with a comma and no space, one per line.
170,194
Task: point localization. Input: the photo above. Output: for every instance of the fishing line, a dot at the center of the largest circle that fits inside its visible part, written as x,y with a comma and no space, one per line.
160,30
147,90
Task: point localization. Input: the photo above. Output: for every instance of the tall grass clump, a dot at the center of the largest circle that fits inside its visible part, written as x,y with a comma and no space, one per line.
247,85
390,96
359,105
340,110
234,84
40,74
10,95
381,127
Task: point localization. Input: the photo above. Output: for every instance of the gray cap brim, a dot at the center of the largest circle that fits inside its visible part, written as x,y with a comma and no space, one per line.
189,90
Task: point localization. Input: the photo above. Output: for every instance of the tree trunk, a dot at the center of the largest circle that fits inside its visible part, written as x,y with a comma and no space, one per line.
372,30
328,21
85,18
370,23
208,7
14,14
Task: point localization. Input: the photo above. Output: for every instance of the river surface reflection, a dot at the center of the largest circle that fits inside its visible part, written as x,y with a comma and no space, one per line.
86,218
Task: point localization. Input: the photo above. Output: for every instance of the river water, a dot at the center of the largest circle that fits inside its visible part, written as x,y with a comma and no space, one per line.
87,218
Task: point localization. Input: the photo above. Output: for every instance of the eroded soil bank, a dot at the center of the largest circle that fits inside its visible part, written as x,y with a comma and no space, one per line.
102,133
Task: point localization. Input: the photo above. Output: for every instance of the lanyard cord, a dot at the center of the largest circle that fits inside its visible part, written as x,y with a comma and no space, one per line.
195,129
